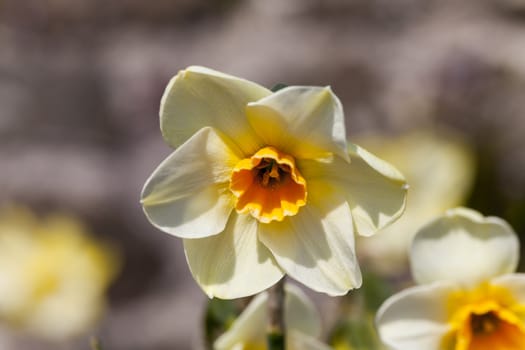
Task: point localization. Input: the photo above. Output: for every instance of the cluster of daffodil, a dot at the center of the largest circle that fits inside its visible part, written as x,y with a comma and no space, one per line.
53,276
264,184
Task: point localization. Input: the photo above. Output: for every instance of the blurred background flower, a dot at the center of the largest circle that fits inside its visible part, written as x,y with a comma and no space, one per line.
53,275
81,82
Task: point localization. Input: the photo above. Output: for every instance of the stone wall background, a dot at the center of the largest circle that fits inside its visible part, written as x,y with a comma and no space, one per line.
80,85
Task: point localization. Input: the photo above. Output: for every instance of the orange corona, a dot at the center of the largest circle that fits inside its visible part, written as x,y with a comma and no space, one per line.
268,185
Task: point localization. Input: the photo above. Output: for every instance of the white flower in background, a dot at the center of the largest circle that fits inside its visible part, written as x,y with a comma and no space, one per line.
439,167
53,277
248,332
468,298
262,184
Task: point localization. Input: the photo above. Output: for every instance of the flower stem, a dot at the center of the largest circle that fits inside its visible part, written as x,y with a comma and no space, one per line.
276,327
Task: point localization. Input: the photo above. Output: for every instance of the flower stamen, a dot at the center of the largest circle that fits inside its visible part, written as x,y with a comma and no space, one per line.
485,323
270,171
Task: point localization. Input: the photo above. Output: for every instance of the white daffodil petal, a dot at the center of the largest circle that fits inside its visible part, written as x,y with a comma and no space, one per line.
465,247
375,190
187,195
415,318
305,121
202,214
439,168
300,341
232,264
249,327
198,97
316,246
299,312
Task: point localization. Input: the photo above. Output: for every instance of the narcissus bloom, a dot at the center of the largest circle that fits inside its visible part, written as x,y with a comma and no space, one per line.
468,299
439,167
263,184
53,276
248,332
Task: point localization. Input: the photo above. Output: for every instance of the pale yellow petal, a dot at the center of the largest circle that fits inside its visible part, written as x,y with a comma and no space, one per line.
316,246
416,318
249,327
232,264
304,121
300,313
374,189
187,195
198,97
465,247
439,168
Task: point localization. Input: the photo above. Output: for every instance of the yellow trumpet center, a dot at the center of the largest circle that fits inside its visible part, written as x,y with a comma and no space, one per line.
488,320
268,185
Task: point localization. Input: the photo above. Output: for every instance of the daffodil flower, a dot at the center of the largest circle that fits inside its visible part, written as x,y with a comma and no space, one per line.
53,276
262,184
248,332
468,297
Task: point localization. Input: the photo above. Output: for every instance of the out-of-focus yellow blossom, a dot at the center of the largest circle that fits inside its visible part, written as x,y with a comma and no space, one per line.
53,277
264,183
469,297
439,167
248,332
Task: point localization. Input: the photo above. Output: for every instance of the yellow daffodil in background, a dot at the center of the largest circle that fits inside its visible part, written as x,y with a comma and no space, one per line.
439,167
248,332
53,277
469,297
263,184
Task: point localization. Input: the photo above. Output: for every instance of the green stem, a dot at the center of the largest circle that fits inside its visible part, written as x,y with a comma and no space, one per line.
276,327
